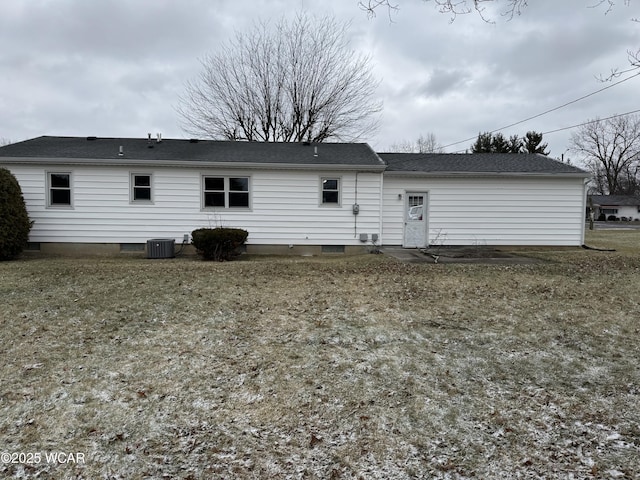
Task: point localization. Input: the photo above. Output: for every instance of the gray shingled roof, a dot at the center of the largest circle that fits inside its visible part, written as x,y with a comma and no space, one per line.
69,148
615,200
476,163
51,149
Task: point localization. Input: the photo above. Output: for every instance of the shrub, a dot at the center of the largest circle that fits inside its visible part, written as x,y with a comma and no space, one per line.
14,220
218,243
602,217
612,218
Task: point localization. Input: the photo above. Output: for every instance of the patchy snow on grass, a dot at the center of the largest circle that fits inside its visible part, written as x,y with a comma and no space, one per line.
353,367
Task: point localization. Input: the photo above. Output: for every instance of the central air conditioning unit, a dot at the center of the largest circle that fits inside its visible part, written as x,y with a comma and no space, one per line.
161,248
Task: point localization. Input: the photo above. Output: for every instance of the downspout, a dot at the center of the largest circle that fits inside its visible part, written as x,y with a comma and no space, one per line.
355,209
585,182
381,209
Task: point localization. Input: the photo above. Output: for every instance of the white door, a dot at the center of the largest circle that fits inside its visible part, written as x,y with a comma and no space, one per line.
415,220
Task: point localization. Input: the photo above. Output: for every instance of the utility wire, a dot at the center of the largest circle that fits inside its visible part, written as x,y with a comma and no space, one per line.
577,125
548,111
590,122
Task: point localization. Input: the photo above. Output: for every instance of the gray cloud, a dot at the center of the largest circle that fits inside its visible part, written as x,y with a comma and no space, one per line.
116,67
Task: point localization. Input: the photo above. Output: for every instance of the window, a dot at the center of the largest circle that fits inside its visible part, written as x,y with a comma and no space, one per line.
609,211
238,192
141,187
225,192
416,207
330,191
59,189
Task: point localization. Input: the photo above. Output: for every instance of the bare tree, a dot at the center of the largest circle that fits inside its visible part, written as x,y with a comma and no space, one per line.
611,149
424,144
295,81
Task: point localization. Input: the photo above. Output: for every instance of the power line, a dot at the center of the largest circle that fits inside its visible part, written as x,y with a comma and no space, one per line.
590,122
578,125
548,111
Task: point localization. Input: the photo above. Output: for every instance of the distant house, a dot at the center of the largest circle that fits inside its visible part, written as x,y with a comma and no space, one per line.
110,195
618,207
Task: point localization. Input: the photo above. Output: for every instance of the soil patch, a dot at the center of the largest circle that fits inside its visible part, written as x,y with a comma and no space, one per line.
472,254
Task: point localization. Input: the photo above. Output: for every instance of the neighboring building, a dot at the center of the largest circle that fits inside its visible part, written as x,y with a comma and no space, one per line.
108,195
620,207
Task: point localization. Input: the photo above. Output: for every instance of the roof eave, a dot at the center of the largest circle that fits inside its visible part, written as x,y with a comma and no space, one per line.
125,162
487,174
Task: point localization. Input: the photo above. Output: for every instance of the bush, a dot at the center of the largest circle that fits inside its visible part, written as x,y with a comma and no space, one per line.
14,220
218,243
602,217
612,218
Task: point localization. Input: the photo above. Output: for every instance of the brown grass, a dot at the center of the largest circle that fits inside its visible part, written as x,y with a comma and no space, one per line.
356,367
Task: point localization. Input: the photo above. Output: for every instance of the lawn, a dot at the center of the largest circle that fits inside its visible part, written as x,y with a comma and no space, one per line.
330,368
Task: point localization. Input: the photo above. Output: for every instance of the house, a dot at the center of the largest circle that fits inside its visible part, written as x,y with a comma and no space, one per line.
110,195
483,199
618,207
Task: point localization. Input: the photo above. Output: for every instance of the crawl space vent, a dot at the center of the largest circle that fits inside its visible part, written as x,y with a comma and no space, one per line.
160,248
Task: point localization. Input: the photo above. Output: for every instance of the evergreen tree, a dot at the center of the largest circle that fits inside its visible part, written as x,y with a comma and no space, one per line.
514,144
483,143
499,144
14,220
532,143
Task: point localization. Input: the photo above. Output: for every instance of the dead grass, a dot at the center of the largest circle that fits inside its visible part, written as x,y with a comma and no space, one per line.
356,367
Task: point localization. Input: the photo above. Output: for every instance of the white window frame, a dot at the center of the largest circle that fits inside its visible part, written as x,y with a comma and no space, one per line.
227,191
322,190
132,187
49,187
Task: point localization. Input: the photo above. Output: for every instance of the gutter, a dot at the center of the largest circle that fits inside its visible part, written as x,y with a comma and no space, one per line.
121,162
485,174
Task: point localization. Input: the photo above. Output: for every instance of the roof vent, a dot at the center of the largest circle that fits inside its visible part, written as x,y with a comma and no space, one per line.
193,140
121,151
91,139
159,138
306,143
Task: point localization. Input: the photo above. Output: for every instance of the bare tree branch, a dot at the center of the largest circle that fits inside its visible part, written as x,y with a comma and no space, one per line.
611,149
295,81
424,144
451,7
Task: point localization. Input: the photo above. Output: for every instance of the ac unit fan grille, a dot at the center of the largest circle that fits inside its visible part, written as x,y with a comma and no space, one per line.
161,248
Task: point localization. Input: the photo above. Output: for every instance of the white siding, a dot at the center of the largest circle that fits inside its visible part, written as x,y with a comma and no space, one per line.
491,211
285,206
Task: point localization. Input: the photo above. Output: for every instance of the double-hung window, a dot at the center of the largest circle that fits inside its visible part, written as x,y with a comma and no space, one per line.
225,192
59,189
141,188
330,191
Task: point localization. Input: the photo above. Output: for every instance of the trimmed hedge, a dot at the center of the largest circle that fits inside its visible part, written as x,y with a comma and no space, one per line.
218,243
14,220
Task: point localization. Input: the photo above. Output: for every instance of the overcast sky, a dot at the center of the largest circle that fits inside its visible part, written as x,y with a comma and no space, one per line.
115,68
